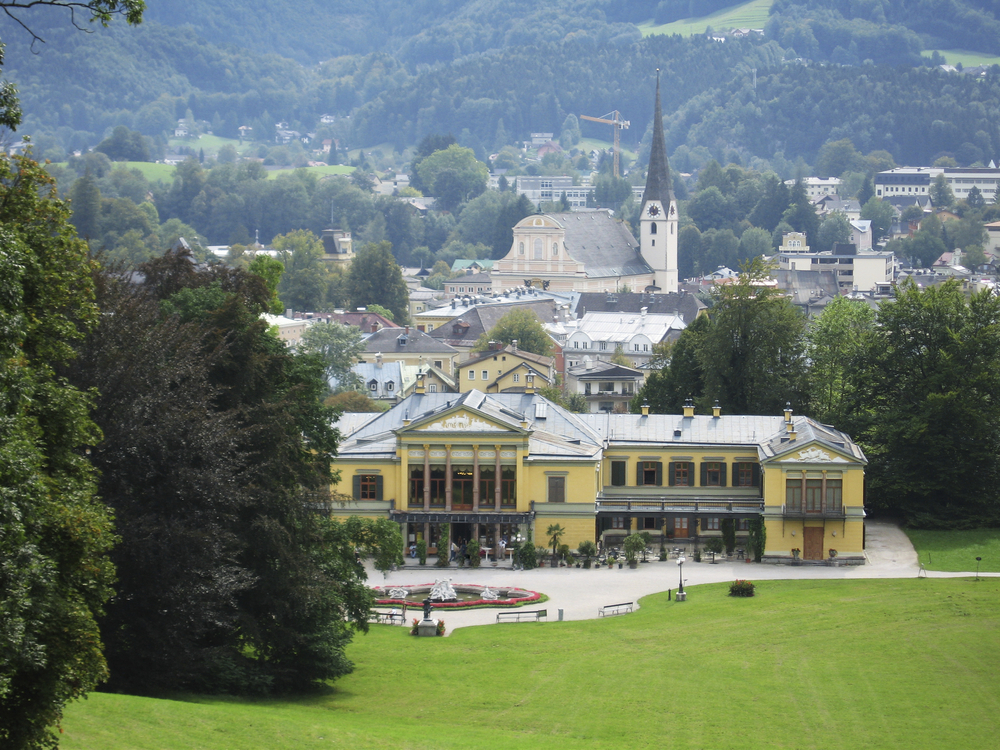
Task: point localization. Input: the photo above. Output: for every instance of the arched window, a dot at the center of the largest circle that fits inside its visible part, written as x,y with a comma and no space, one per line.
520,248
555,248
652,228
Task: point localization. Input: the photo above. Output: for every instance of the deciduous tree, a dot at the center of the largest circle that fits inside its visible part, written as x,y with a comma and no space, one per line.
522,326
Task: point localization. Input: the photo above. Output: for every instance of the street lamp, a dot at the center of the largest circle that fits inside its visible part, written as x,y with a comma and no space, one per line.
517,552
681,596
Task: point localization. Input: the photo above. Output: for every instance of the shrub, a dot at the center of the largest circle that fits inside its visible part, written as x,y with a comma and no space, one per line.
440,626
729,534
587,550
714,545
740,587
472,550
422,551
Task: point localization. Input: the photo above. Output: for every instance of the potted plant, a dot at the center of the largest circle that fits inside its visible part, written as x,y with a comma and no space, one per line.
555,533
714,545
795,553
634,544
587,550
422,551
833,553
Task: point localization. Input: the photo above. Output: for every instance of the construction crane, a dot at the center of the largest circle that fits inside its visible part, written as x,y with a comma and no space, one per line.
614,119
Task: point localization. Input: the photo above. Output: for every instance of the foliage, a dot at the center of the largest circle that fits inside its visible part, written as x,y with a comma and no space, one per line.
444,546
124,145
472,550
926,411
304,282
751,355
338,346
375,278
422,551
881,214
757,539
834,342
555,533
54,534
675,372
519,325
354,401
741,587
453,175
714,545
526,555
634,545
379,537
728,527
587,550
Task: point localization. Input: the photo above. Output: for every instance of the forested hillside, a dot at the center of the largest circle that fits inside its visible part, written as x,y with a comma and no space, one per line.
491,73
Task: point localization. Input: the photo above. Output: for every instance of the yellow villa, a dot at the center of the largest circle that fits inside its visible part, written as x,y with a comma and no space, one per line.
496,465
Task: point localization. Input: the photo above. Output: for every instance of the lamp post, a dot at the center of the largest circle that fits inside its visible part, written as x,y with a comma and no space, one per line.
681,596
517,552
978,560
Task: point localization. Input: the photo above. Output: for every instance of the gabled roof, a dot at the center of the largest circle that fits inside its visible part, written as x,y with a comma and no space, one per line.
684,304
478,357
390,341
599,370
482,318
601,243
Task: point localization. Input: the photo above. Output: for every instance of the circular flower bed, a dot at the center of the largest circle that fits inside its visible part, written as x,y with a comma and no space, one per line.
470,594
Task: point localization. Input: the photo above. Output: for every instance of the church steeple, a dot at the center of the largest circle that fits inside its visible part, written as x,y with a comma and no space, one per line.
658,221
658,177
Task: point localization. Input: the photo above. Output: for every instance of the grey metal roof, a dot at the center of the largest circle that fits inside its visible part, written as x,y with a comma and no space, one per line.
697,430
684,304
602,244
388,341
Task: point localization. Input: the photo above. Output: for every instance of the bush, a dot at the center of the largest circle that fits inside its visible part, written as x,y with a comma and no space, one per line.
740,587
528,556
587,550
472,550
714,545
422,551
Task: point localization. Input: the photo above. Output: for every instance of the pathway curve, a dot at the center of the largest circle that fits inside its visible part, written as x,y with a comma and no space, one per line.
581,593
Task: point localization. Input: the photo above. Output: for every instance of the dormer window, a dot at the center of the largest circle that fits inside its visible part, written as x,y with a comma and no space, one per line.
402,339
389,386
372,385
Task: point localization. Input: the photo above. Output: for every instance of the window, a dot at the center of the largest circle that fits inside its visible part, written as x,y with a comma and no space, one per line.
606,387
652,227
604,346
373,385
743,524
635,347
746,473
487,485
437,362
649,473
555,249
432,388
680,474
486,374
517,378
508,486
711,524
367,487
713,474
680,526
834,495
472,374
606,406
617,522
416,485
438,482
389,386
557,489
814,495
793,495
520,248
618,473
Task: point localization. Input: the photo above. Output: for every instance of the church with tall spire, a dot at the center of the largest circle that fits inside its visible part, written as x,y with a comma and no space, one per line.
658,222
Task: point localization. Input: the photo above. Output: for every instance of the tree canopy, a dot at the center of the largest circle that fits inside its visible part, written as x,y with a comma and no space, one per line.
521,326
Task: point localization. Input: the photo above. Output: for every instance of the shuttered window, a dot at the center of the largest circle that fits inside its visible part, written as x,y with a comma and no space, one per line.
617,473
680,474
367,487
649,474
557,489
713,474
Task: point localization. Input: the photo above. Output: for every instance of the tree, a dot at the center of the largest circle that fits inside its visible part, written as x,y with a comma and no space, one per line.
270,270
941,195
837,157
124,145
881,213
975,198
55,574
926,411
375,278
521,326
801,213
99,11
835,340
338,346
833,229
304,282
752,353
555,533
675,372
453,173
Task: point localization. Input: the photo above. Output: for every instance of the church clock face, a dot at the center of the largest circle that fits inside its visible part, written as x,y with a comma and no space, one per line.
653,211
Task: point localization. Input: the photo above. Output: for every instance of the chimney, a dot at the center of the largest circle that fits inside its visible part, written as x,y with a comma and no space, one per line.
513,345
378,360
643,311
420,382
788,415
689,407
407,330
406,419
645,408
716,410
531,384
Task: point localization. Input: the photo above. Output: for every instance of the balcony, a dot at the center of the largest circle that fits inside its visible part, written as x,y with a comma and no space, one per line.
673,506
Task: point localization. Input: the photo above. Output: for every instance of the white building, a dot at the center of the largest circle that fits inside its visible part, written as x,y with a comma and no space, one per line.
817,187
918,180
863,271
600,334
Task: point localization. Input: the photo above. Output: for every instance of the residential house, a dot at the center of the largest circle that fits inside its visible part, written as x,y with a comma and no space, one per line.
409,346
600,335
505,369
496,465
608,387
470,283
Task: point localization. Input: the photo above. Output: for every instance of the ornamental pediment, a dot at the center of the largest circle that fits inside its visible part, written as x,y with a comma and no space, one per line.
814,455
462,422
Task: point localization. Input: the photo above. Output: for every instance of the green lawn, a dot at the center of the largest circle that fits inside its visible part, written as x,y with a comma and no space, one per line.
878,664
956,551
968,58
751,15
322,171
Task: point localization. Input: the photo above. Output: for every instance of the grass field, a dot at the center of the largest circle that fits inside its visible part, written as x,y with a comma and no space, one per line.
751,15
878,664
956,551
968,58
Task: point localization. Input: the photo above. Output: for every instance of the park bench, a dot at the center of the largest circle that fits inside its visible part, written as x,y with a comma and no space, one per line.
520,614
386,618
614,609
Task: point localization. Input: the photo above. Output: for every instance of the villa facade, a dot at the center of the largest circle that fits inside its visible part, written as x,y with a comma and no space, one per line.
493,466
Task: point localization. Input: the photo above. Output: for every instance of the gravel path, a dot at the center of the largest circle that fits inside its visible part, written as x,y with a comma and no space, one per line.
581,593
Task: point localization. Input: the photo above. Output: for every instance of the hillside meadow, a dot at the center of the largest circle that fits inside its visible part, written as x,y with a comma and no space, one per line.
805,664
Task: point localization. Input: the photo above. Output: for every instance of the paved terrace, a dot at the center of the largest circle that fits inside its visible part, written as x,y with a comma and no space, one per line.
581,593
